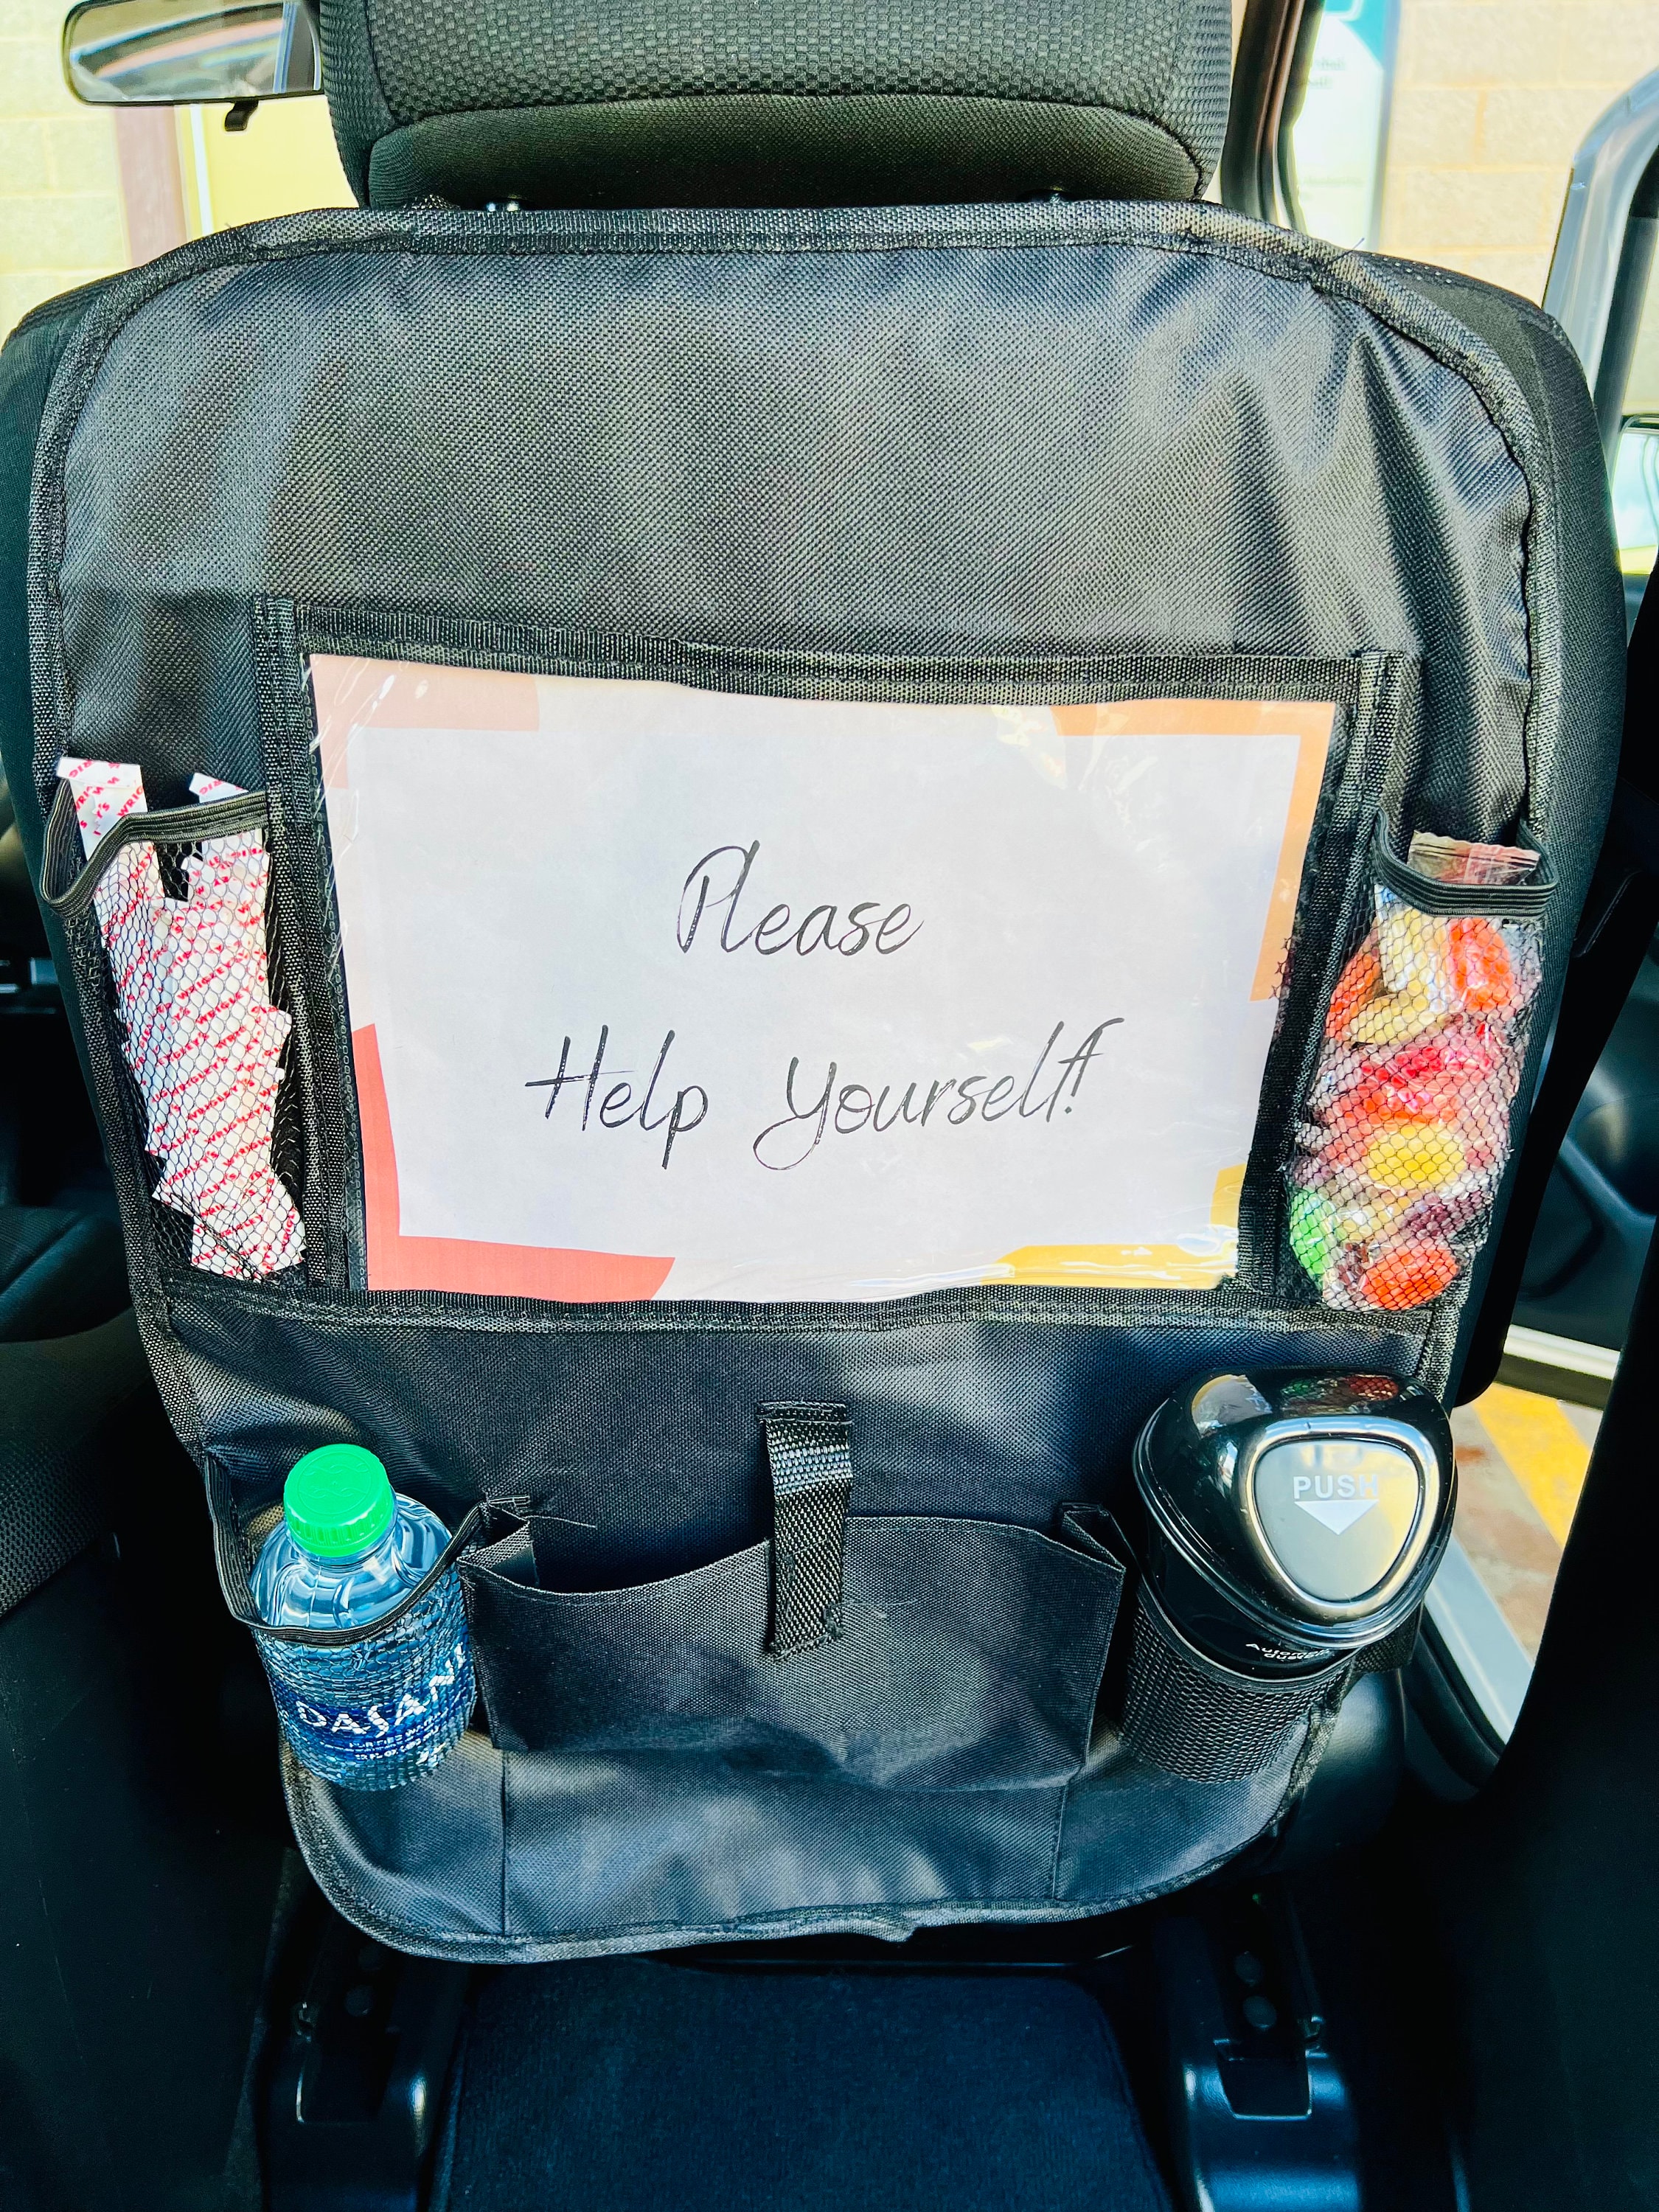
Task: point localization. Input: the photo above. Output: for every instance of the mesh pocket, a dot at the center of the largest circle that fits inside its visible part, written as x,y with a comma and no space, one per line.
170,923
1204,1722
1406,1132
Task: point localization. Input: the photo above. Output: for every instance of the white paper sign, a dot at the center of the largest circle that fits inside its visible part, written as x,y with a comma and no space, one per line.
659,992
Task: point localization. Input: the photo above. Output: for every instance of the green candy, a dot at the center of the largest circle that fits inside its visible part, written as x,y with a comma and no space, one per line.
1314,1235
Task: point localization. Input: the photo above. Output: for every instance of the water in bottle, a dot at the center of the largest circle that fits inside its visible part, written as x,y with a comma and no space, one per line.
364,1710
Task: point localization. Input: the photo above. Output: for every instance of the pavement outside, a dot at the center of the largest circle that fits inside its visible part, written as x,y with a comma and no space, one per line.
1521,1465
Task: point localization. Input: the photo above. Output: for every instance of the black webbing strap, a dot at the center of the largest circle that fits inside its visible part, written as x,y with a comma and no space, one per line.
807,1450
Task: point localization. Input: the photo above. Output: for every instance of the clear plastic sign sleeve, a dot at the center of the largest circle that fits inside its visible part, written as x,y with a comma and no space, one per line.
664,993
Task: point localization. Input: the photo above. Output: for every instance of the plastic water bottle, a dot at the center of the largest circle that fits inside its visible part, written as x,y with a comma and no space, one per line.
364,1709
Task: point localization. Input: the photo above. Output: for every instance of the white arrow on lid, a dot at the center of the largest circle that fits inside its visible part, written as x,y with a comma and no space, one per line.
1338,1514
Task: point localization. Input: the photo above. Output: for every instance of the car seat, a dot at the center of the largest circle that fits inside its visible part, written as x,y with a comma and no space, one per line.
792,359
63,1265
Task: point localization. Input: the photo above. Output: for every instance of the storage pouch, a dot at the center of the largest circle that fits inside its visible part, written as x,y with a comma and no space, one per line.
172,941
1406,1130
895,1650
1184,1713
185,587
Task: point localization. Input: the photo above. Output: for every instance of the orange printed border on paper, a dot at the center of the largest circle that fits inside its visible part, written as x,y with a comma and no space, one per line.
397,1262
350,692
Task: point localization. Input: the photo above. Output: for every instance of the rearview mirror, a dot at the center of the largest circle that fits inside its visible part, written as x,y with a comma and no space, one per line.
166,53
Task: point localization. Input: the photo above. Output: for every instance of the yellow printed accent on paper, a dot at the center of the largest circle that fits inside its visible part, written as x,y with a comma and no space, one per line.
1224,1201
1139,1267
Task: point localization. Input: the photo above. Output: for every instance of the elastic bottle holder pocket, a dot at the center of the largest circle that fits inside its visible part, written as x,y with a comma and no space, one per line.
913,1653
1405,1132
376,1712
1189,1716
372,1708
181,977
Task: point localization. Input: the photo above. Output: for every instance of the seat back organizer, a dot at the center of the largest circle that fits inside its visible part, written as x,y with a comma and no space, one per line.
737,884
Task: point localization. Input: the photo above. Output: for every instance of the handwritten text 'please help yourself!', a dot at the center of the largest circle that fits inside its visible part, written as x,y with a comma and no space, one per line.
708,922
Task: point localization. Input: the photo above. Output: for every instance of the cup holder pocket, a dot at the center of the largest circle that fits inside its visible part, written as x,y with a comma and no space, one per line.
955,1655
1204,1722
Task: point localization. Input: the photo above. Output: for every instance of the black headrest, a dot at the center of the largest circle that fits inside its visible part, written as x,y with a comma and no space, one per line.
774,103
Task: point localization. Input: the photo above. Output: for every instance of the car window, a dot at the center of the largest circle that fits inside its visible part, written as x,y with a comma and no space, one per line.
1339,148
1445,132
284,162
1457,120
1636,466
1522,1458
86,190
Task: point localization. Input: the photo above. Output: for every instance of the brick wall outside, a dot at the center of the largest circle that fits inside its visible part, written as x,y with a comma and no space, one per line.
1492,98
62,221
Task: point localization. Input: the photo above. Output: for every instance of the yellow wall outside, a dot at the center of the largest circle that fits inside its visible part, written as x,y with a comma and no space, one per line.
62,217
1491,99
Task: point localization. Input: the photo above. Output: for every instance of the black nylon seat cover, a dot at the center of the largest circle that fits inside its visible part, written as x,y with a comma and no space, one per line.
1040,453
989,433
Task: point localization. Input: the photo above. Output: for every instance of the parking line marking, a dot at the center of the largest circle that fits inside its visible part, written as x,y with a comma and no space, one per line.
1543,1450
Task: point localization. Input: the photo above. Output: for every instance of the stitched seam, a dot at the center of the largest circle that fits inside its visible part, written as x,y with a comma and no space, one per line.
1434,330
507,1807
1058,1307
1059,1830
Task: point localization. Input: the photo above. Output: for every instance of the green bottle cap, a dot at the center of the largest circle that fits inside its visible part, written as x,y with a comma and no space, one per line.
338,1502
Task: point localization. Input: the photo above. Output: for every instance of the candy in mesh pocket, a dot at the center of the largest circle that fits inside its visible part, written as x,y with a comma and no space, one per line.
1405,1134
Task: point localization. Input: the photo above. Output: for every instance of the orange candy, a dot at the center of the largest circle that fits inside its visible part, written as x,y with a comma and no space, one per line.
1478,965
1421,1105
1358,984
1410,1276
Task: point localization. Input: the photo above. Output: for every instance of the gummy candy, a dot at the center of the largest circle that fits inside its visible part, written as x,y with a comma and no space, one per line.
1413,1160
1397,1017
1355,987
1478,968
1461,1051
1410,946
1314,1236
1384,1100
1444,1215
1340,1285
1409,1276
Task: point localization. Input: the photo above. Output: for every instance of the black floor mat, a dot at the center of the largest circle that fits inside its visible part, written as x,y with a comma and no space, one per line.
634,2086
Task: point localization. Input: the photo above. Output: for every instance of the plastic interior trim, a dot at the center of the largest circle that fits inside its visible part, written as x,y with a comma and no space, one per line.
1488,1655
